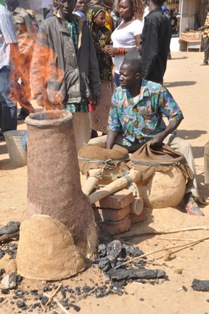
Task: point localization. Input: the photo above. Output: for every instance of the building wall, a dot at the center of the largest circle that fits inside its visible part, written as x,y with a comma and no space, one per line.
189,8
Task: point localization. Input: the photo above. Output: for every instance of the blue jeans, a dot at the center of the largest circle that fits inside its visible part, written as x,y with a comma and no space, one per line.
8,109
116,80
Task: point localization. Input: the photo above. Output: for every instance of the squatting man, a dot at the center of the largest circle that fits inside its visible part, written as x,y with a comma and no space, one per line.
136,117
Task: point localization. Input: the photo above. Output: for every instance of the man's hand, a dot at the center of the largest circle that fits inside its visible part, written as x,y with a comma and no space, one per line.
111,135
157,141
110,50
96,101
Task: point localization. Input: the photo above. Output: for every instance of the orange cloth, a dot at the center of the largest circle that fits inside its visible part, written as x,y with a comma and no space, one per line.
109,22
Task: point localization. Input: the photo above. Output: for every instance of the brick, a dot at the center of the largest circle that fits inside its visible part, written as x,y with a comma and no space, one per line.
138,218
117,200
109,214
118,226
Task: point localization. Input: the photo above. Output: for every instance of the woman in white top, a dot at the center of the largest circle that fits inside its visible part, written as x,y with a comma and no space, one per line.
127,34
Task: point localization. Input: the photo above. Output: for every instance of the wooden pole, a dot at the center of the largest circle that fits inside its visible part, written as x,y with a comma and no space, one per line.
115,186
91,182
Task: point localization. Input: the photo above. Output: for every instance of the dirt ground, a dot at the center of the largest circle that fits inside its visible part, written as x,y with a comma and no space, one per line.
188,82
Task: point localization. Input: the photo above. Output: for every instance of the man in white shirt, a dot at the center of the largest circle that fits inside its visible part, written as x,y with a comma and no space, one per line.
8,52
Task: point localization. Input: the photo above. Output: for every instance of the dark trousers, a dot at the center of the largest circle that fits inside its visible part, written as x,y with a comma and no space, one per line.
206,49
206,162
8,109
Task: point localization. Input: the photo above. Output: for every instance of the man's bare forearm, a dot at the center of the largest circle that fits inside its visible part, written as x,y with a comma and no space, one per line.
111,135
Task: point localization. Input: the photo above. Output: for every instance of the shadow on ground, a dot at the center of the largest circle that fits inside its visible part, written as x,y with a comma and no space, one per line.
181,83
180,58
190,134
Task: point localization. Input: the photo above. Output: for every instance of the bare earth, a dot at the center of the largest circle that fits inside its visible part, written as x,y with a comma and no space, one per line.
188,82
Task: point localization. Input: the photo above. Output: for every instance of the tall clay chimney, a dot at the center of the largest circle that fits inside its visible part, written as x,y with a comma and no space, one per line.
59,232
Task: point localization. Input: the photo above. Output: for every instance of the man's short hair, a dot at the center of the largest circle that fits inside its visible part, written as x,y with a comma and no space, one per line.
133,59
158,2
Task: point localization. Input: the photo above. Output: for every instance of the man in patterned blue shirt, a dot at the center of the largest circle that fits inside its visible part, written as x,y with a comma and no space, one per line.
136,117
8,52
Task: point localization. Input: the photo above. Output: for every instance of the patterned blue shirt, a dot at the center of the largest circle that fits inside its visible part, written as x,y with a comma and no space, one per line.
7,36
139,118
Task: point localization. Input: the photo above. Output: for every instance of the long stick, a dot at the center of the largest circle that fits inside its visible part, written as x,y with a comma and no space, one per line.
164,232
160,250
58,303
61,306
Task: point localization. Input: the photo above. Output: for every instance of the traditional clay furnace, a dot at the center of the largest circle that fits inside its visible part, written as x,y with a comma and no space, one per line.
59,231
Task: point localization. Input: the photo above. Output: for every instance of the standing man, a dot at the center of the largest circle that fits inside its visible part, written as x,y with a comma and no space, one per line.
26,37
156,37
8,53
205,36
64,70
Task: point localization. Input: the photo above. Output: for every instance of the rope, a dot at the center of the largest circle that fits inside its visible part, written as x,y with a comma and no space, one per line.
106,163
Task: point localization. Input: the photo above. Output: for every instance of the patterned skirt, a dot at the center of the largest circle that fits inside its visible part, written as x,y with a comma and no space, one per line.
99,117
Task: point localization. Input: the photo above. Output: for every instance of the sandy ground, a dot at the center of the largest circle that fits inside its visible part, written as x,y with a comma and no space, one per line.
188,82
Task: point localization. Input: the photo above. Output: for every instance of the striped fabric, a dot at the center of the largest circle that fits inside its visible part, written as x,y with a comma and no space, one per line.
7,36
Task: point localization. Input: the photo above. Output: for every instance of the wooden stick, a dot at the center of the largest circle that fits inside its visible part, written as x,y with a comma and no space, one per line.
137,206
164,232
175,239
54,294
161,250
91,182
115,186
58,303
61,306
42,306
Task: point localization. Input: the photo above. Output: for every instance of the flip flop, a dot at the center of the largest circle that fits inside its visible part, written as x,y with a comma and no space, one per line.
192,209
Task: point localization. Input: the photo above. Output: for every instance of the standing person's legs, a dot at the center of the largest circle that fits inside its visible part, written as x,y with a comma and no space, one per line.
185,149
206,50
26,109
8,109
206,162
23,97
81,128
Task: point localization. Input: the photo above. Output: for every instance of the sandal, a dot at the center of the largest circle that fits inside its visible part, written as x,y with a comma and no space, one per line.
192,209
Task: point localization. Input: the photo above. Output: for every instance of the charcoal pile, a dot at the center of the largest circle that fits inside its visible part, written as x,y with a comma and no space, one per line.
112,279
8,248
113,260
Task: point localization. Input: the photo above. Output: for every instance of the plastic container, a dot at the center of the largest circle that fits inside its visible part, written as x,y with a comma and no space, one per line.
17,154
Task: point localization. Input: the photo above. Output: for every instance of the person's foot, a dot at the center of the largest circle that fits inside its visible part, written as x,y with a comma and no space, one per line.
204,63
191,206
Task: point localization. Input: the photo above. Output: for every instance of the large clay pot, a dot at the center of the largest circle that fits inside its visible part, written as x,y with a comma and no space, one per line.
164,189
